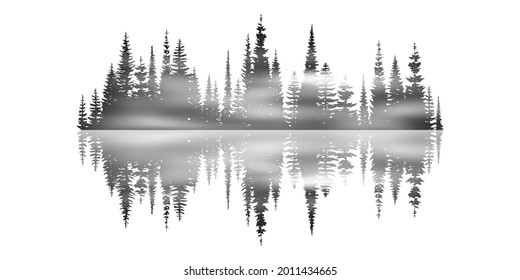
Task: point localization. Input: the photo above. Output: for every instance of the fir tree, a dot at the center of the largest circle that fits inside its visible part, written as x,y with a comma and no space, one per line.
206,112
276,105
438,118
215,101
308,110
227,109
82,119
195,98
415,94
378,117
237,102
179,94
364,115
153,86
326,167
395,97
166,68
345,116
292,99
327,97
110,91
430,110
125,71
142,86
95,110
247,67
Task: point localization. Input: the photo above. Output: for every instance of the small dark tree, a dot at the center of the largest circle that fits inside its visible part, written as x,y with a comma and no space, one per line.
153,86
166,68
276,104
327,96
438,118
395,97
364,115
430,110
378,117
142,86
292,99
95,110
82,119
125,71
247,67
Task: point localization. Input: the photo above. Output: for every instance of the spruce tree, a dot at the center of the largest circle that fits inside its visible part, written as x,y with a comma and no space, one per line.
217,116
179,95
125,71
142,85
327,97
276,104
166,68
345,116
308,110
195,98
110,91
378,117
415,94
153,86
82,116
395,97
247,66
227,109
291,101
206,110
438,118
237,103
430,110
95,110
364,114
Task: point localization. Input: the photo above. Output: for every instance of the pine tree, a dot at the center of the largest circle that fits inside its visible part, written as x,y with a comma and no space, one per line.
95,110
142,86
327,97
292,99
247,67
438,118
215,101
364,115
395,97
166,69
82,120
345,116
237,103
227,110
110,91
415,94
206,110
378,117
125,71
308,110
276,105
195,98
153,86
430,110
179,96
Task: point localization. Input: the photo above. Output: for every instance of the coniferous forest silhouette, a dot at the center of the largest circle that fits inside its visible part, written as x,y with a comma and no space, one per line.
163,170
138,95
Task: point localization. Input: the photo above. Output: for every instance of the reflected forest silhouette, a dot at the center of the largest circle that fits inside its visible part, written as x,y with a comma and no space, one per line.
137,95
164,169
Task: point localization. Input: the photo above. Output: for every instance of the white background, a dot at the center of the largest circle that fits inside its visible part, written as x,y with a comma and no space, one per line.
57,220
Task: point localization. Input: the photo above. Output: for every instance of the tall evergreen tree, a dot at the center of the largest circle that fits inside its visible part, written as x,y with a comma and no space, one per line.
430,110
438,118
247,67
276,105
327,96
110,91
166,68
82,116
364,114
227,108
179,96
153,86
142,85
395,97
345,116
415,94
378,118
292,98
95,110
125,71
308,110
